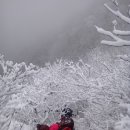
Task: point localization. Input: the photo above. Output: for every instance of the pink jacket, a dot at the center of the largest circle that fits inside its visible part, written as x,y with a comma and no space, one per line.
54,127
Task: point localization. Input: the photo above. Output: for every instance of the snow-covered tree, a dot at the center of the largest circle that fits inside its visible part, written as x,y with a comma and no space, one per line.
14,78
92,89
123,122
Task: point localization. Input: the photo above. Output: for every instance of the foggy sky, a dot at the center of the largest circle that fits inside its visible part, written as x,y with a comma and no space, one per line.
28,27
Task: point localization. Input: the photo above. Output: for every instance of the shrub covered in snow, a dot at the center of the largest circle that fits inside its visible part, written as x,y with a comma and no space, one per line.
94,90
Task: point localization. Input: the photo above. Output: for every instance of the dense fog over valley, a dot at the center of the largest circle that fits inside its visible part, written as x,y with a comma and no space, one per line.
43,30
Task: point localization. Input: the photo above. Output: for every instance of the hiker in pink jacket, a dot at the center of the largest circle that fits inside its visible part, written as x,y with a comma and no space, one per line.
66,122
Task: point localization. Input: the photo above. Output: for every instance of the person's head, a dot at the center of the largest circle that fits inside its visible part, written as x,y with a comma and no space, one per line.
67,112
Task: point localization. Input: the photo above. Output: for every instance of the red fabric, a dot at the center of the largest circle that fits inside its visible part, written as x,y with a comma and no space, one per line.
54,127
67,128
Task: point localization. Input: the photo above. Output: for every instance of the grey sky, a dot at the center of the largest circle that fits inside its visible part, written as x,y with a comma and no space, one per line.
27,25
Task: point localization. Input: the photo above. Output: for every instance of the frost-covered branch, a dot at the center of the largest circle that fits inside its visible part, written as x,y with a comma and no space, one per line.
124,57
118,41
118,14
9,93
122,33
